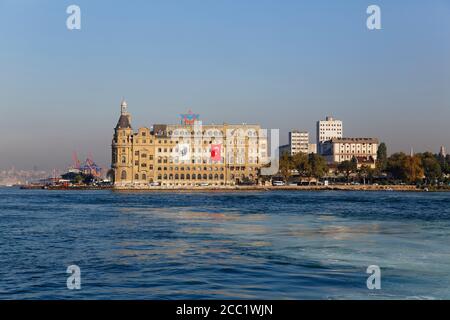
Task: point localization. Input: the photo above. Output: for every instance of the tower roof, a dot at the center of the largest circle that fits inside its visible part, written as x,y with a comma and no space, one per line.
124,122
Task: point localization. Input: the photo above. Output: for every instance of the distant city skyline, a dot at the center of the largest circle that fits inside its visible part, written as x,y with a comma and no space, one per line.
279,65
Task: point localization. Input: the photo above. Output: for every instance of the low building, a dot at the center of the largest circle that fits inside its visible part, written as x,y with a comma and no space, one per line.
337,150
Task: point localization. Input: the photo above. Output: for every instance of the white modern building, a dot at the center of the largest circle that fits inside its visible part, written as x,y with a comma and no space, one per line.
328,129
298,142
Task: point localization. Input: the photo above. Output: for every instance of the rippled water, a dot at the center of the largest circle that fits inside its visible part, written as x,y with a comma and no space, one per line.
268,245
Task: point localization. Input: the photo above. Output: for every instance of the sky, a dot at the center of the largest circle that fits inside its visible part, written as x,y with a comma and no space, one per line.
279,63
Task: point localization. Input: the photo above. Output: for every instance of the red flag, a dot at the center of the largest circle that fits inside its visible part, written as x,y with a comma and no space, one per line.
215,152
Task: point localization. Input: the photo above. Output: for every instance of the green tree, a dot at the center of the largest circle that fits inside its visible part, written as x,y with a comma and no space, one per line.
447,164
347,167
286,166
318,165
431,167
382,157
301,163
365,172
396,165
78,178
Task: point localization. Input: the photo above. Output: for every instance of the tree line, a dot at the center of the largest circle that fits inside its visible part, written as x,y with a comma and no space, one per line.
421,168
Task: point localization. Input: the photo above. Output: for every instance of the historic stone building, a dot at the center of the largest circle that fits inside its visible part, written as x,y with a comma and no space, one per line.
364,150
187,154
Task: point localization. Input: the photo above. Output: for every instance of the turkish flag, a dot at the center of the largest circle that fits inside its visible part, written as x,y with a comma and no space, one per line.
215,152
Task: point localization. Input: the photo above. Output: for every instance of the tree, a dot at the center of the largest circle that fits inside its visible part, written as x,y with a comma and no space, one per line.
406,168
286,166
413,169
381,157
347,167
318,165
447,164
78,178
301,163
396,166
431,167
366,172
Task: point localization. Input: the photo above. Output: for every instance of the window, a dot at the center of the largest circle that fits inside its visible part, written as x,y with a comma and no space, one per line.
123,175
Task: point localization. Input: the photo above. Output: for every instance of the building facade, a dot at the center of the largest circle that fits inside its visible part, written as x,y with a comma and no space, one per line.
298,142
328,129
364,150
186,154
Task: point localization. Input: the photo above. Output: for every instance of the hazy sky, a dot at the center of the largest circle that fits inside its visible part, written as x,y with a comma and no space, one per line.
283,64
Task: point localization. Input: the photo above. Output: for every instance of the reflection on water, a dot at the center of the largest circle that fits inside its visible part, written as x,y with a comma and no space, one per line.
279,245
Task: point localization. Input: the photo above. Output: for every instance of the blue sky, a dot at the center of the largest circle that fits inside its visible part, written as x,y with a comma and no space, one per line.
283,64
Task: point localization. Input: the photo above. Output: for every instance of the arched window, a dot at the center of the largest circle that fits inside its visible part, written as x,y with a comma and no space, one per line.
165,176
123,175
210,176
144,176
176,176
188,177
182,176
193,176
136,176
216,177
221,176
205,176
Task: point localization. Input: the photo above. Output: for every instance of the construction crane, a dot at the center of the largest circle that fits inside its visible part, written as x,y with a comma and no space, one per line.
89,167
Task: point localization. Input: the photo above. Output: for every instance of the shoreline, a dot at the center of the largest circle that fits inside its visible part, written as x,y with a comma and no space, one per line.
398,188
277,188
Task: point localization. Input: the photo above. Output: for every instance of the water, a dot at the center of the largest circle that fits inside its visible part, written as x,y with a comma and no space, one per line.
267,245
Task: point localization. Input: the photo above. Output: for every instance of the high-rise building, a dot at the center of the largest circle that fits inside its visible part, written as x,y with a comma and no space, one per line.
328,129
186,154
442,152
298,142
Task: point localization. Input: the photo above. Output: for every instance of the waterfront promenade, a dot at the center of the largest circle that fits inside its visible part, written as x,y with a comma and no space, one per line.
270,188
